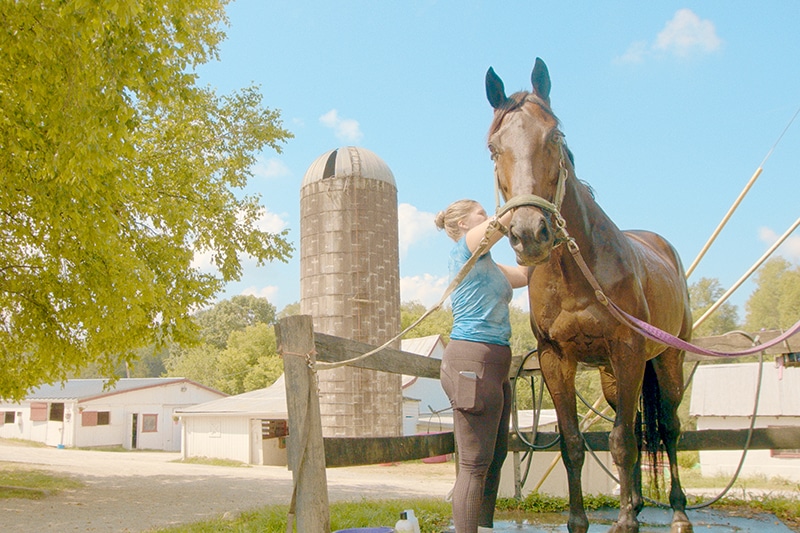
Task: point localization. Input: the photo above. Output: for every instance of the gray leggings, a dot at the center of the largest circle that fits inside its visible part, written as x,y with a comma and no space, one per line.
475,377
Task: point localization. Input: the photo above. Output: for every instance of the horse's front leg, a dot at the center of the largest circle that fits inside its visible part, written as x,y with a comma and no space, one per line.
623,443
559,375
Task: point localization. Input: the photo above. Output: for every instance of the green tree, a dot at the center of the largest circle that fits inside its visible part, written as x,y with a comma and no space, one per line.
703,294
775,303
522,339
250,361
198,363
117,169
440,322
290,310
217,323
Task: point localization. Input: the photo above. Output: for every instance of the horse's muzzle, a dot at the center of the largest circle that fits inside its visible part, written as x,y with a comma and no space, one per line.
531,236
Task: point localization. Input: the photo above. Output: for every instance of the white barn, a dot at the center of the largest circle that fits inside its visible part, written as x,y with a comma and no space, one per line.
723,396
250,427
423,398
137,413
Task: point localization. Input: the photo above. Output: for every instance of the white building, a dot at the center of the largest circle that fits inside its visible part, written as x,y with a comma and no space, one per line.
424,400
250,428
134,413
723,396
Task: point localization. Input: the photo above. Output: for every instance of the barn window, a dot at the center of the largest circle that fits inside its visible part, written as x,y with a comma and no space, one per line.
94,418
9,417
38,411
89,418
149,423
56,412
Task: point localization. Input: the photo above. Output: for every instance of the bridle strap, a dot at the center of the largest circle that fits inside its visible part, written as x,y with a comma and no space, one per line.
527,200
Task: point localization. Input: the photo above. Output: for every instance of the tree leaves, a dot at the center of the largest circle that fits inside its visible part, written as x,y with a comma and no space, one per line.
117,169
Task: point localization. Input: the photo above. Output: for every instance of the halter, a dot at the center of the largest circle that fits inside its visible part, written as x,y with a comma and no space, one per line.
533,200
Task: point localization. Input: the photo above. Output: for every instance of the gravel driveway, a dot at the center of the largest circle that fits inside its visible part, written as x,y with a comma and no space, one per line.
138,491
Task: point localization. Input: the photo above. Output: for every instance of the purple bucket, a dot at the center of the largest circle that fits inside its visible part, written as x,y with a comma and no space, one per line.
383,529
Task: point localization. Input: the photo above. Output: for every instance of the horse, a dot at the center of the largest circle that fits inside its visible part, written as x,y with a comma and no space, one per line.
638,270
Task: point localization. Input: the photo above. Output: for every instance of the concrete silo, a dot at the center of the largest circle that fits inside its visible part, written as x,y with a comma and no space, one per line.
350,283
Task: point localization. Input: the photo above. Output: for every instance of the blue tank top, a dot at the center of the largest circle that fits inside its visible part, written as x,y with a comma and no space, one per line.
480,301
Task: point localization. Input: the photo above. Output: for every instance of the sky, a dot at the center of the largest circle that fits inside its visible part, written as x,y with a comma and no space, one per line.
669,109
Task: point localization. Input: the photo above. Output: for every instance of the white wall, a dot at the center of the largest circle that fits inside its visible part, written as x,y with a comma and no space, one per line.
595,480
757,462
223,437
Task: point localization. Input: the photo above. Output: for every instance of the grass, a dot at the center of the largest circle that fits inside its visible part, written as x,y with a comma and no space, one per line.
433,516
211,461
16,482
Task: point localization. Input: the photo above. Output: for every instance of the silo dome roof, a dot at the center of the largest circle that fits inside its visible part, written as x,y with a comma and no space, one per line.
348,161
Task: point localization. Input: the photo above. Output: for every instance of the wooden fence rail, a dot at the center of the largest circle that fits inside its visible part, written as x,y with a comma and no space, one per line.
309,453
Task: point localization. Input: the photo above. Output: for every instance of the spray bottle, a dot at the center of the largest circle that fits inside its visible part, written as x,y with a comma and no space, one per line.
413,519
403,525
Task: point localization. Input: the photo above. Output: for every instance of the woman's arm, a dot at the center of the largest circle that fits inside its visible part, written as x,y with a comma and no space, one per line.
516,275
476,234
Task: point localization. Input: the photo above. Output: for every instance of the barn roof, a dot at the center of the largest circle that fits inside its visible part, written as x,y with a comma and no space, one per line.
269,402
83,389
729,390
425,346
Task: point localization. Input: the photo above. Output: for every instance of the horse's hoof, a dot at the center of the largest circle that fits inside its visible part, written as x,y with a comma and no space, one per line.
681,527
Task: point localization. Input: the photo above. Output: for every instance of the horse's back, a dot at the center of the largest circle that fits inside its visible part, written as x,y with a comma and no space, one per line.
663,281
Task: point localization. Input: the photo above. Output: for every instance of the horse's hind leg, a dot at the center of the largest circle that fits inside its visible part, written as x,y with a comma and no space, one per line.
669,370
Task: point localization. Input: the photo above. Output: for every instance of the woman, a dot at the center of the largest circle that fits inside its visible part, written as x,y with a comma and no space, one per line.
476,362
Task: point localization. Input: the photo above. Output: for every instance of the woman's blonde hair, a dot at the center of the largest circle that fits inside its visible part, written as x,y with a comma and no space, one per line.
449,218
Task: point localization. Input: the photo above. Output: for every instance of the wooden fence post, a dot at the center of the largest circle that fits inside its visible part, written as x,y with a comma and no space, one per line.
305,449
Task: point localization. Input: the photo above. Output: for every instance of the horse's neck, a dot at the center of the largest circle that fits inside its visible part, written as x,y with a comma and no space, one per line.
586,221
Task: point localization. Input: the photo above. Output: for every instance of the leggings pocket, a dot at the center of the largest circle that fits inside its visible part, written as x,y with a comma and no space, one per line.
463,385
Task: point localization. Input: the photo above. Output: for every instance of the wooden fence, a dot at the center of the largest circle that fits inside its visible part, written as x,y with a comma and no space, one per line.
309,453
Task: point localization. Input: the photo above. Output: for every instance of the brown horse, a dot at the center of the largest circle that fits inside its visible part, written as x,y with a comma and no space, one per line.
638,270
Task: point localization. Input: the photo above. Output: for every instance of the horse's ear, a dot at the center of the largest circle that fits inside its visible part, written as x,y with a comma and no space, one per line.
495,91
540,79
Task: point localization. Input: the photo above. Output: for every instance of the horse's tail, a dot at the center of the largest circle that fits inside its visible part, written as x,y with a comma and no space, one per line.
651,414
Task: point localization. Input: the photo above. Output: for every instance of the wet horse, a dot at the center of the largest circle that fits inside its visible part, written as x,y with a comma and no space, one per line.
638,270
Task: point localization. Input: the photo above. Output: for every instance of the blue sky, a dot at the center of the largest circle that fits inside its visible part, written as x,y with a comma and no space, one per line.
668,107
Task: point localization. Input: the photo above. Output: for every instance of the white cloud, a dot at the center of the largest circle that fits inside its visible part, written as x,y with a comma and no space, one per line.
345,129
790,249
202,261
521,300
271,222
426,289
413,226
683,36
270,168
635,53
269,292
687,33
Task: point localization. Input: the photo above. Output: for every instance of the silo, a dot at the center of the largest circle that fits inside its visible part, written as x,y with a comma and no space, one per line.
350,283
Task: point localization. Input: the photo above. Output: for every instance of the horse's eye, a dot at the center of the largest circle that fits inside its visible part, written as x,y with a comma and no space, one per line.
493,151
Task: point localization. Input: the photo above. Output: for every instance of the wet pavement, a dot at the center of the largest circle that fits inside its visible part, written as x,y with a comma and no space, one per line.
653,520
